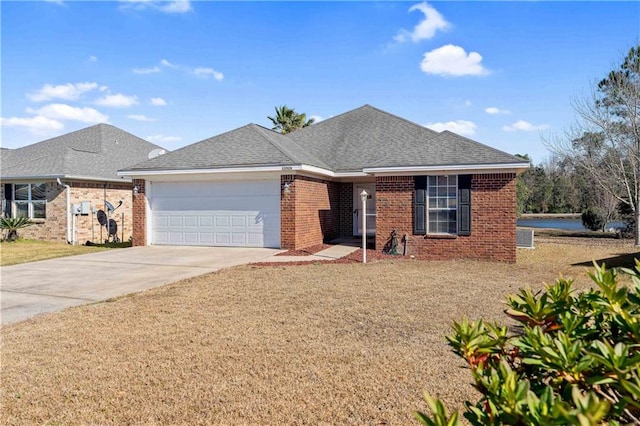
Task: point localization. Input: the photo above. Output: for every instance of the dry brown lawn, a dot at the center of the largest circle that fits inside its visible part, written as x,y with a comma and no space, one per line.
313,344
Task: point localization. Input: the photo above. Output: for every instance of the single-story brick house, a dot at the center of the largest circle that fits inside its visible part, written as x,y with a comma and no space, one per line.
46,180
451,196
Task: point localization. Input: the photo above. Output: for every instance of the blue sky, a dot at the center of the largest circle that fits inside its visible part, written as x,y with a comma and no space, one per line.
177,72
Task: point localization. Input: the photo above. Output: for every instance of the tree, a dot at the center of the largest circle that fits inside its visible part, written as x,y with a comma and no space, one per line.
605,141
523,191
592,219
573,360
288,120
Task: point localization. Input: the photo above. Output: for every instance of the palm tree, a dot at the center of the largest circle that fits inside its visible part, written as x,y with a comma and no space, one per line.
12,224
288,120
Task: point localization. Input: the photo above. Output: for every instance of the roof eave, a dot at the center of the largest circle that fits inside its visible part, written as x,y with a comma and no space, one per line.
466,168
280,170
61,176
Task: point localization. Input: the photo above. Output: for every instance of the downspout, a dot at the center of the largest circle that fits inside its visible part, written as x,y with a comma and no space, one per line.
68,189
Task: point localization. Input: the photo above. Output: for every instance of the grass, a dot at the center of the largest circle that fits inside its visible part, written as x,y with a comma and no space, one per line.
23,251
320,344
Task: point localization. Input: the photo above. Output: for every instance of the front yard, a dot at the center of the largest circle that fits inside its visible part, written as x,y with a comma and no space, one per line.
314,344
23,251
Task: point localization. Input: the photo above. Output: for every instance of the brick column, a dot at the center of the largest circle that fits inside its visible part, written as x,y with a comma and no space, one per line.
287,212
140,214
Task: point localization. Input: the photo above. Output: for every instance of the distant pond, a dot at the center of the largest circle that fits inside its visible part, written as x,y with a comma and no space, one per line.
565,224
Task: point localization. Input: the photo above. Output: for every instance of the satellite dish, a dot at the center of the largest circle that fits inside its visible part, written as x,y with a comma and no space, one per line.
109,206
102,217
156,153
113,228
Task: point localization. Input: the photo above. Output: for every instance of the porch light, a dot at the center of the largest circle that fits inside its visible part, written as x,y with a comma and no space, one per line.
363,197
136,190
287,187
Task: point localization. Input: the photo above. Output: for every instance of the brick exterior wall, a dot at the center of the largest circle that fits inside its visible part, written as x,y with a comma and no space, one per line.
493,220
140,214
54,226
310,211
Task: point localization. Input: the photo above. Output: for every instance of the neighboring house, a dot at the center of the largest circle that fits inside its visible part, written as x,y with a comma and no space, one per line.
451,196
46,180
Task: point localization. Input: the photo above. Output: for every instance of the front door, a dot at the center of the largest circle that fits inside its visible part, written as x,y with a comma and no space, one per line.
371,208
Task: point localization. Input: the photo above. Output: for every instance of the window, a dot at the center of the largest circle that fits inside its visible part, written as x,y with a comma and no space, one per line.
442,205
30,200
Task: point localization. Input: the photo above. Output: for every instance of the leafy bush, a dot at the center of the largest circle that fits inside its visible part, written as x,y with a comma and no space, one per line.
574,359
593,220
12,224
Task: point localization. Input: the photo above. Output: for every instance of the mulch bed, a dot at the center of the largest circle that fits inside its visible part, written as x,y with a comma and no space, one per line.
355,257
307,251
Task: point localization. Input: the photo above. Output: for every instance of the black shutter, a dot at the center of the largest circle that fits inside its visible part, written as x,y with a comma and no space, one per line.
8,198
464,205
420,206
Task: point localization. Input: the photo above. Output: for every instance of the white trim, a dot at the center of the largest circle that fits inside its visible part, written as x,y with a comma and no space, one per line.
136,173
281,170
467,168
321,171
379,171
48,178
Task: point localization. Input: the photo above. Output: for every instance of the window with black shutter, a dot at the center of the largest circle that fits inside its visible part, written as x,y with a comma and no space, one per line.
442,205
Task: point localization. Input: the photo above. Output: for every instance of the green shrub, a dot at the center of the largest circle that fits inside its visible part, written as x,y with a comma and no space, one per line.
593,220
574,359
12,224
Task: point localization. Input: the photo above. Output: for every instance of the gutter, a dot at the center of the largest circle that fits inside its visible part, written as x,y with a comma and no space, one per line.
68,189
231,170
366,172
31,178
474,168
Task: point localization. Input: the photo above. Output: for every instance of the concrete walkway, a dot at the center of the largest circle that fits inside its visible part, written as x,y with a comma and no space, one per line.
331,253
52,285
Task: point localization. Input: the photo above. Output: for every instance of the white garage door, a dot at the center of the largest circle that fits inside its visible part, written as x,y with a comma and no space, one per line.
236,214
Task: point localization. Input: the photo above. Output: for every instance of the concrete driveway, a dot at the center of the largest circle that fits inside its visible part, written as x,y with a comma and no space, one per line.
34,288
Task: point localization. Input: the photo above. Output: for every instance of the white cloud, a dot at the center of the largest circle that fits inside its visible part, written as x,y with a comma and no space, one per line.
172,6
177,6
433,21
151,70
158,102
93,58
316,118
67,91
166,63
37,124
461,127
524,126
68,112
117,101
141,117
452,61
163,138
495,111
208,72
467,103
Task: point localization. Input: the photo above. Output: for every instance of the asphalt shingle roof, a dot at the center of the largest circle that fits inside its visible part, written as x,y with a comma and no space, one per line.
250,145
96,152
362,138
